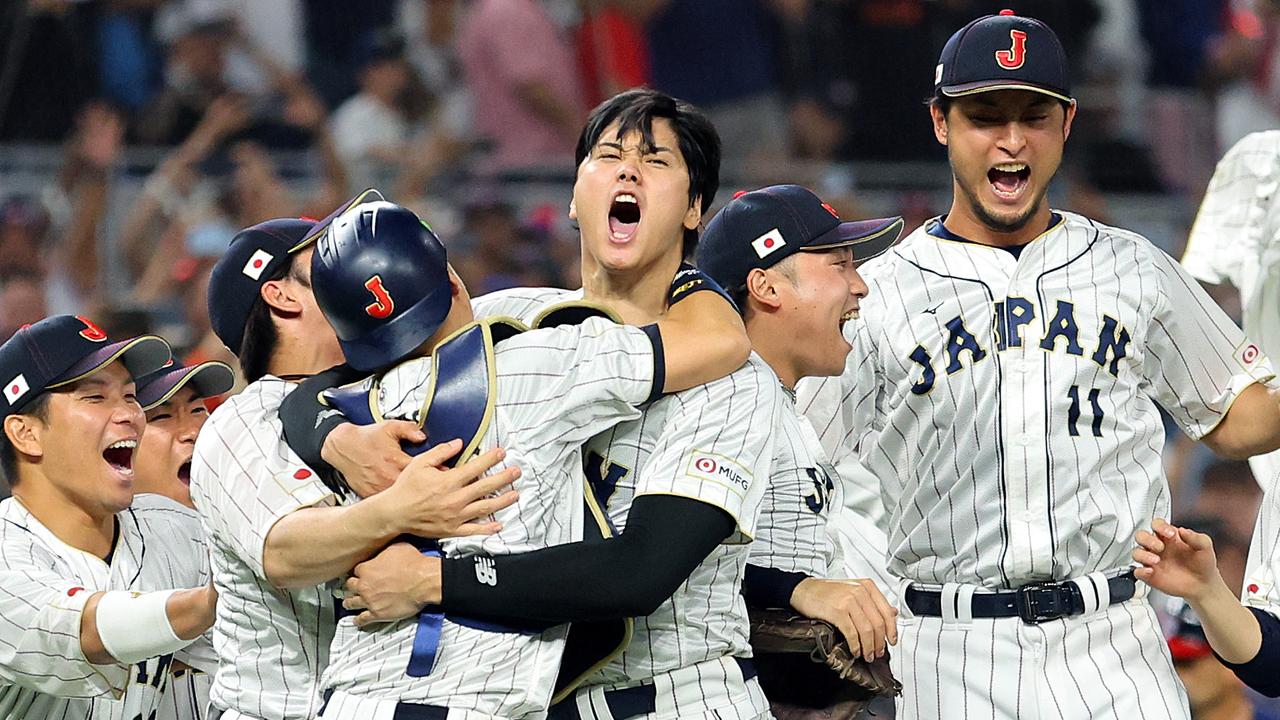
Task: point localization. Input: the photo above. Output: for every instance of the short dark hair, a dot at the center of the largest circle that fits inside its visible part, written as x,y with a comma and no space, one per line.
634,110
39,409
260,336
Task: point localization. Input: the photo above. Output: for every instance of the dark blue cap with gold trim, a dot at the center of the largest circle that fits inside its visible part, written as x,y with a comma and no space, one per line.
1003,52
63,349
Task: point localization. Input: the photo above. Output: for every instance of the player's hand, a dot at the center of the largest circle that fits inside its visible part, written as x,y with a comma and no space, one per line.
856,607
392,585
1176,561
434,502
370,457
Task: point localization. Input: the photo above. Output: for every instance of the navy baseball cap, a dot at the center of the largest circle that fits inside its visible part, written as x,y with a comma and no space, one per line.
63,349
1003,52
208,379
758,229
255,256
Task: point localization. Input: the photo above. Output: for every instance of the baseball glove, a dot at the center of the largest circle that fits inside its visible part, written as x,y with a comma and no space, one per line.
808,671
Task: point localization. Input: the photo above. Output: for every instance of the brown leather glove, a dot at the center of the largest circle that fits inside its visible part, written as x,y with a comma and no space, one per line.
789,651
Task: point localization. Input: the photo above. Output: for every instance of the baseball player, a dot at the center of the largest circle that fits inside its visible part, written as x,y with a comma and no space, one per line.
274,534
550,390
1003,387
173,400
89,619
1236,239
792,264
682,485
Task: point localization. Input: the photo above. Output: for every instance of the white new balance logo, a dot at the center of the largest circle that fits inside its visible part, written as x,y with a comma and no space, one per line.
486,573
326,414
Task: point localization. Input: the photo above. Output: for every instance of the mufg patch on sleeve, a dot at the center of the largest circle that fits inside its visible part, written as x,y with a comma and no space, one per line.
719,469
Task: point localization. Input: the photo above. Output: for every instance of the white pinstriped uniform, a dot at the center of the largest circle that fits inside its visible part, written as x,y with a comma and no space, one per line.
271,644
1236,239
1262,571
556,388
821,401
44,585
791,534
857,525
686,647
1009,408
187,696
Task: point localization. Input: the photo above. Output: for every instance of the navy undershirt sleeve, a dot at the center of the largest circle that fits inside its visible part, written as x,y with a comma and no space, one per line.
1262,673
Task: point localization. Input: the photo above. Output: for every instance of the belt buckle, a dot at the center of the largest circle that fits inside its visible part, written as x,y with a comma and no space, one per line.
1040,602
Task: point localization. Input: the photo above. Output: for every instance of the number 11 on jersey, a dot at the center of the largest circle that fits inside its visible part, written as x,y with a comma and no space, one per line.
1073,413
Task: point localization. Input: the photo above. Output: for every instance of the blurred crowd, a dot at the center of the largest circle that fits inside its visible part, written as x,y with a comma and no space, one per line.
449,105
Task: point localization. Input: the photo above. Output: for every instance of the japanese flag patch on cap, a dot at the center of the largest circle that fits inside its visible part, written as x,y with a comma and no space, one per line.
16,388
257,263
768,243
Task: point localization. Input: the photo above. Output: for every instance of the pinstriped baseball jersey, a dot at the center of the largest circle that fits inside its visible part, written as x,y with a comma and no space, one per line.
44,585
186,697
1262,571
271,644
1008,405
823,402
555,389
677,447
713,443
800,497
1236,239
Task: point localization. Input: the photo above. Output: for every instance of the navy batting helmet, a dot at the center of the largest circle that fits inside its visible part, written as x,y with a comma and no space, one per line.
381,277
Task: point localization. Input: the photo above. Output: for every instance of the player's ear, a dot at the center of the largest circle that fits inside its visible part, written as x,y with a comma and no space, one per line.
24,433
693,216
281,296
939,123
573,210
762,286
1070,109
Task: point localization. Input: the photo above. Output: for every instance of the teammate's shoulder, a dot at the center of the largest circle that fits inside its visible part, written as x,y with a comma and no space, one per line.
160,512
1102,232
755,376
260,398
1256,153
522,303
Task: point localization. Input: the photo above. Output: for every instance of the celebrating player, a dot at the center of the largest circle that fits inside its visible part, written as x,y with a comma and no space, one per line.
551,390
91,619
682,484
267,515
173,400
1234,239
1003,386
791,263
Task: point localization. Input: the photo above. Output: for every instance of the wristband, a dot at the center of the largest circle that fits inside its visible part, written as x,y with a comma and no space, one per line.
689,280
135,626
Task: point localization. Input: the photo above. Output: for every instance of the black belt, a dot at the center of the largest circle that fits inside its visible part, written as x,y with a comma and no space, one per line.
1034,603
629,702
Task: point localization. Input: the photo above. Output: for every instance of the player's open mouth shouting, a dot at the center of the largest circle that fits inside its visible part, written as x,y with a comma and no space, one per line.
624,216
119,456
1009,179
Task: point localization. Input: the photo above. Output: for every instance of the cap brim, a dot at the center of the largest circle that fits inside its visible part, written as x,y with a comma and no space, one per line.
140,356
208,379
982,86
867,238
369,195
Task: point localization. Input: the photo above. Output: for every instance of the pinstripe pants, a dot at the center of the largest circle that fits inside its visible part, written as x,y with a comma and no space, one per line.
1113,663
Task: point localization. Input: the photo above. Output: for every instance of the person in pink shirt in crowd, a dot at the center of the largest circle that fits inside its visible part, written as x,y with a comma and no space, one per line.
524,84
